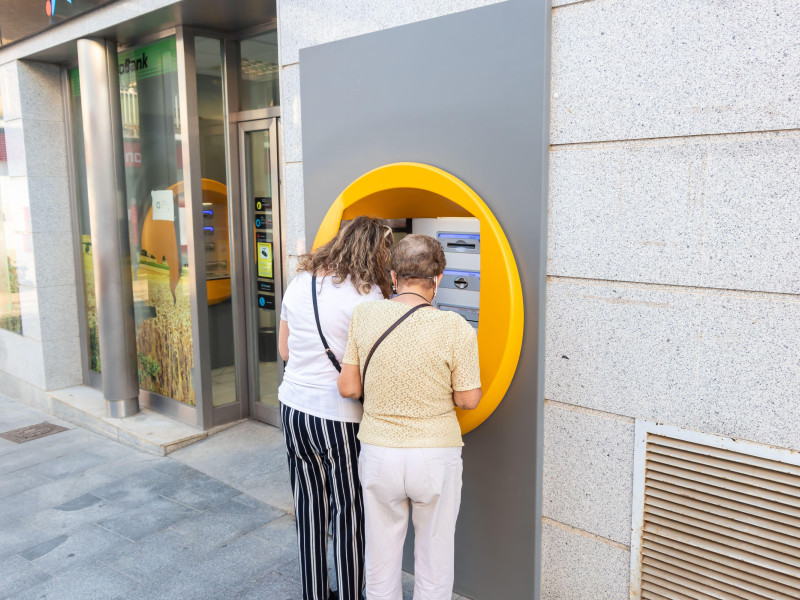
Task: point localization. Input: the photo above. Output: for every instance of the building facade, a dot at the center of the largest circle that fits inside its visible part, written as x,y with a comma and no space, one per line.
673,284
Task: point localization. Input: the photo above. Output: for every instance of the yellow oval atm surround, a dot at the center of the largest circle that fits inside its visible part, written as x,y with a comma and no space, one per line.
414,190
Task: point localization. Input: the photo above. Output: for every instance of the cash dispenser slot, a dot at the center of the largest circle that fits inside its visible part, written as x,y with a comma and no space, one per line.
460,242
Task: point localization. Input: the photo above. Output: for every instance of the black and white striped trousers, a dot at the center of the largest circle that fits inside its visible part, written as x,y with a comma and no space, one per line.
323,465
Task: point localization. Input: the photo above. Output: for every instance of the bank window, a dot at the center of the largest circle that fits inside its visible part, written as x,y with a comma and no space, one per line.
148,78
10,225
258,72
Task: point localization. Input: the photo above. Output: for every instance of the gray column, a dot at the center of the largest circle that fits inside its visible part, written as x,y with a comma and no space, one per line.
105,171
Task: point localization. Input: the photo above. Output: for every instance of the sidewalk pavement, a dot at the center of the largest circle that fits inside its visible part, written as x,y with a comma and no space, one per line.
84,517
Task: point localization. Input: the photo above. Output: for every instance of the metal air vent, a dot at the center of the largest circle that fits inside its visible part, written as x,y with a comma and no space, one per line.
714,518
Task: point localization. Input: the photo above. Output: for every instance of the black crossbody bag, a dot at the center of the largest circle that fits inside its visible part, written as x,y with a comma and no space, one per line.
328,350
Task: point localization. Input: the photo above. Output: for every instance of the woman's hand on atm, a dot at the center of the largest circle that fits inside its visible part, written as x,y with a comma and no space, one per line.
468,399
349,382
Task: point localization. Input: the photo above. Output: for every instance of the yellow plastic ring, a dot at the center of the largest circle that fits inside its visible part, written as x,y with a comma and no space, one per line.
414,190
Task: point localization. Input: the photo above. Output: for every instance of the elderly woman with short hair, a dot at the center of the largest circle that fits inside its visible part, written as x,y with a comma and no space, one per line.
417,375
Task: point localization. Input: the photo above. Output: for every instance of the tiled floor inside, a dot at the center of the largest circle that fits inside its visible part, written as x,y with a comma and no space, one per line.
83,517
223,383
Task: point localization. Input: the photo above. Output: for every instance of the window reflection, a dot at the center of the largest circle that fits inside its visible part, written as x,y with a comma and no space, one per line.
11,226
84,227
216,238
148,81
258,72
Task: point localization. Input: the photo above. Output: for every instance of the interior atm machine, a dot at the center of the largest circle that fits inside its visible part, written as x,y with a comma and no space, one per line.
461,285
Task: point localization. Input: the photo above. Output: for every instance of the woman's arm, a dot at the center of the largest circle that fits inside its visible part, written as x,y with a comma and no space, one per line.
468,399
349,382
283,340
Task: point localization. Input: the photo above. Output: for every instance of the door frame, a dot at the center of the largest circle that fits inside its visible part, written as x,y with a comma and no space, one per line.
247,305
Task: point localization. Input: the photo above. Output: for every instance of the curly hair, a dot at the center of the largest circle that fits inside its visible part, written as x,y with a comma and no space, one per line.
361,251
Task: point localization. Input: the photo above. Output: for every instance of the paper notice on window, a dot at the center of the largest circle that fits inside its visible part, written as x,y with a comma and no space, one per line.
163,205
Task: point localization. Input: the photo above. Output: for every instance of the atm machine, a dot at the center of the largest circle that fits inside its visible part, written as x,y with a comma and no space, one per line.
429,125
461,285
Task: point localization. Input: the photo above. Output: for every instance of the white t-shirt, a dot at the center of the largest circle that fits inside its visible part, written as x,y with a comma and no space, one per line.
309,379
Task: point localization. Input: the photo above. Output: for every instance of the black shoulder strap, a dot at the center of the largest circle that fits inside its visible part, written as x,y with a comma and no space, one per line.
383,337
328,350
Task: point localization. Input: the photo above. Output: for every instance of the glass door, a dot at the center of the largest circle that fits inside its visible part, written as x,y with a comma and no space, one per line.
263,276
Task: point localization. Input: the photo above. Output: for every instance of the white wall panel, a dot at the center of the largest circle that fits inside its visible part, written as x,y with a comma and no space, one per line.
625,69
575,567
723,363
720,212
292,150
626,350
588,471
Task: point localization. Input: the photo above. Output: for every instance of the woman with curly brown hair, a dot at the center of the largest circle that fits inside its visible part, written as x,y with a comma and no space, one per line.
320,426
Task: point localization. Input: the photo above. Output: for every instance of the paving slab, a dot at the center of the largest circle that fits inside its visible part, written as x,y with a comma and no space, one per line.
59,554
157,555
81,582
83,516
226,522
152,516
19,574
250,456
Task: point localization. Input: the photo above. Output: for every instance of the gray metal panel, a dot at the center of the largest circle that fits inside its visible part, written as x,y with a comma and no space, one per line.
467,93
105,171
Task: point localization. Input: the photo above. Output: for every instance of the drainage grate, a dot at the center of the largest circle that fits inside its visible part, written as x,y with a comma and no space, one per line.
32,432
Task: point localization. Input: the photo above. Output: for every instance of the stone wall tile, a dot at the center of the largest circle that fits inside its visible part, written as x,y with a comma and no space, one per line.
575,567
292,150
50,209
55,259
751,206
58,312
624,70
63,366
720,212
626,213
625,350
295,235
750,369
45,148
40,91
588,472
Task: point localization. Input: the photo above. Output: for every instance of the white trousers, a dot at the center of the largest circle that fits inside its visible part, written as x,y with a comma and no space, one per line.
429,479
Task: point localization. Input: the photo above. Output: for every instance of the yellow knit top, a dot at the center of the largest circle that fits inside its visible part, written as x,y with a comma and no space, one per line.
408,394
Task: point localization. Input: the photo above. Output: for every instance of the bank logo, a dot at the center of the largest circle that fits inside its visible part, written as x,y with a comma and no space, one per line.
50,7
133,65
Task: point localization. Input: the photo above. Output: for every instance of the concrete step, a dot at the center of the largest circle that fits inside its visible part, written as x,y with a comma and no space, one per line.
147,431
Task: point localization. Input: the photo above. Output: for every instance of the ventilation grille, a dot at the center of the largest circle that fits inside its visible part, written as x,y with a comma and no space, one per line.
718,524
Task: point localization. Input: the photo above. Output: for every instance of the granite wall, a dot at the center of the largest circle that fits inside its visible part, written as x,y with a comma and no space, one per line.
673,271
